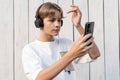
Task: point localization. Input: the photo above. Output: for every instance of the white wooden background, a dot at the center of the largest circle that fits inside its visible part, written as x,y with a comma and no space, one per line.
17,29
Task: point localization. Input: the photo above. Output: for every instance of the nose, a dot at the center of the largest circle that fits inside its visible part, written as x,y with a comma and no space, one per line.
57,23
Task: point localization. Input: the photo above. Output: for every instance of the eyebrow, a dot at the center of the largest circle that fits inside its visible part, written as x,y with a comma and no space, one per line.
54,18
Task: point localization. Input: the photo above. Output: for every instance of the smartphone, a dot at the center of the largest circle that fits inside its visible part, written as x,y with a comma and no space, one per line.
89,27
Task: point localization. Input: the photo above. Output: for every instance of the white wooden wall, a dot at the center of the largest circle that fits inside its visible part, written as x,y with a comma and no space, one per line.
17,29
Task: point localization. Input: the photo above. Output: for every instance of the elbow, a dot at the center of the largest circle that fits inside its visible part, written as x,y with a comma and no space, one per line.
95,56
38,77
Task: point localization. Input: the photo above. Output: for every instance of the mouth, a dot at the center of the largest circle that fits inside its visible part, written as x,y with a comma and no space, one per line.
56,30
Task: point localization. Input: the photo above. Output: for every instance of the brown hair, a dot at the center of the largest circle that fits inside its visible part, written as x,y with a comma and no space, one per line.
48,9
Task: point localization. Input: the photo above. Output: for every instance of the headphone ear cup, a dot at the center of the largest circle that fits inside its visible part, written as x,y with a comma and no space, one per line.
39,23
61,22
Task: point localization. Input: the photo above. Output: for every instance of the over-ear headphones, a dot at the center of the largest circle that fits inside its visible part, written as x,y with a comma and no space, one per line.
39,21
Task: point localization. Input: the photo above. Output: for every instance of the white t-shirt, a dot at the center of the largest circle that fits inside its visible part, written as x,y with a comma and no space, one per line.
39,55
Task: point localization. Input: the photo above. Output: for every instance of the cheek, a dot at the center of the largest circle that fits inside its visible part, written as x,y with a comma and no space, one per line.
47,29
47,24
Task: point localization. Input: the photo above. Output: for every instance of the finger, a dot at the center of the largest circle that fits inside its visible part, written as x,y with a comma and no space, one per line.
74,6
80,39
74,9
84,44
87,37
87,48
89,42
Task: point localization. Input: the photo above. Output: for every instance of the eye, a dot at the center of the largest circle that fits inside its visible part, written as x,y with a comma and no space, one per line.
59,20
52,20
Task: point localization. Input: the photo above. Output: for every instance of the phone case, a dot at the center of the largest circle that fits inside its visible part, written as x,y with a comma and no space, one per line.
89,26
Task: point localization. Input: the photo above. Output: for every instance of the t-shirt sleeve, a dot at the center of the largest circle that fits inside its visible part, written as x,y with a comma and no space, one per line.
84,59
31,63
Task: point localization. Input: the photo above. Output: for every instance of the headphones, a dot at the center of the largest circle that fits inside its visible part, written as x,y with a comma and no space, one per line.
39,21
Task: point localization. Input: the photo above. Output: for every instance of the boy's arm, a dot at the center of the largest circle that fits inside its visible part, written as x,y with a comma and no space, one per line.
94,51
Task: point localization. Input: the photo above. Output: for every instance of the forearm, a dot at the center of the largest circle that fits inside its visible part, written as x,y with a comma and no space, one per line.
94,51
53,70
80,29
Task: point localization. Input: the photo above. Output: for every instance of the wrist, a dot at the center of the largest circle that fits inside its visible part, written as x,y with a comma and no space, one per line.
70,56
78,25
80,29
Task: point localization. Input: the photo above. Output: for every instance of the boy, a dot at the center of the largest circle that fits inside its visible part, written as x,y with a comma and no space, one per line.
49,58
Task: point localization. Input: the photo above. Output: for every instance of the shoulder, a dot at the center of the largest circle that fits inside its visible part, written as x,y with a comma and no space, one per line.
28,49
28,46
30,53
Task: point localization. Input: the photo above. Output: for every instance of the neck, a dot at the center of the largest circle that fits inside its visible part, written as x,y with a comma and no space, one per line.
45,38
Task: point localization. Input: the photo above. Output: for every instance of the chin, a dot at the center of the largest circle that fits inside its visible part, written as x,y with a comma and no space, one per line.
55,34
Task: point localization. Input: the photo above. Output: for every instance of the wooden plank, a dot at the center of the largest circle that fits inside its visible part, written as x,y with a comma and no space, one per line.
54,1
111,40
67,28
6,40
82,69
96,15
33,31
21,35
